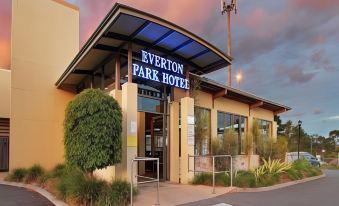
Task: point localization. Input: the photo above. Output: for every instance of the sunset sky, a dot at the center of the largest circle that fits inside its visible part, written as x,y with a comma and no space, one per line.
287,50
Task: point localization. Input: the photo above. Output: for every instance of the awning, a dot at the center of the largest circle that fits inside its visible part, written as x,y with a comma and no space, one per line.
124,24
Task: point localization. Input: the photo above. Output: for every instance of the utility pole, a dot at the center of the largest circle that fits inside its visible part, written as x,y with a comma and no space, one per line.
228,8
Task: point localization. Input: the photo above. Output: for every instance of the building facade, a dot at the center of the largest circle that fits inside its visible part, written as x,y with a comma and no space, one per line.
152,67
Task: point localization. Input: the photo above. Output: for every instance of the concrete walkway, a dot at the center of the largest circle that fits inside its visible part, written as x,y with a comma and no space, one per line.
10,196
175,194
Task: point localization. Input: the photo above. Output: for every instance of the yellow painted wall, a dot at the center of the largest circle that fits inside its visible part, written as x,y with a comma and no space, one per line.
5,93
45,38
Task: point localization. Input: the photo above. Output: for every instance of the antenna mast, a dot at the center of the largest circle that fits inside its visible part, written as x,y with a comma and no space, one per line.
228,8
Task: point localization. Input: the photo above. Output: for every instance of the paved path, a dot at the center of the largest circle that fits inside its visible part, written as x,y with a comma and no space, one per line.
324,192
12,196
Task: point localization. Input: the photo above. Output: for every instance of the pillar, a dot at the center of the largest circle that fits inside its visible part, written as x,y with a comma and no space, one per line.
129,108
174,142
187,138
129,62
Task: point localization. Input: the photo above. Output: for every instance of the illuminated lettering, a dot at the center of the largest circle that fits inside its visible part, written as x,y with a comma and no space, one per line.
170,72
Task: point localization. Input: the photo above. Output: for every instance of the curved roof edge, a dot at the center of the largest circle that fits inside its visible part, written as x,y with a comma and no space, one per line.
121,8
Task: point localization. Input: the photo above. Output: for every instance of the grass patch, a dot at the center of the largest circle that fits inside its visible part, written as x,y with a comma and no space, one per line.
244,179
33,173
118,193
17,175
221,179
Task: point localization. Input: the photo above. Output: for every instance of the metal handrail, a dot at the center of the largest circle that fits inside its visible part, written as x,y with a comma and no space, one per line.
213,166
137,159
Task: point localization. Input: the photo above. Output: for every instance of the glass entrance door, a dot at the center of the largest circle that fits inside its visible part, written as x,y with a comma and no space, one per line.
154,143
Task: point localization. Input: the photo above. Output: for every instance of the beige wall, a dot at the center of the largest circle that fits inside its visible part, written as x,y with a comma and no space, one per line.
205,100
45,38
5,93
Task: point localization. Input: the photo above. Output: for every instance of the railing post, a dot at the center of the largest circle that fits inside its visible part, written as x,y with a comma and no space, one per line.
158,177
213,174
231,171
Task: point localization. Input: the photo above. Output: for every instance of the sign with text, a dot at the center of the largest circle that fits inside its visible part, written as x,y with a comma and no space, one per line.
160,69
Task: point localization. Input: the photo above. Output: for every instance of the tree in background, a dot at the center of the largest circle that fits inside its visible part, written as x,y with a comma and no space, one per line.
92,129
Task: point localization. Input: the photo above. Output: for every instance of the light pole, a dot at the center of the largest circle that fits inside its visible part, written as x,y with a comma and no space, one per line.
228,8
238,77
299,124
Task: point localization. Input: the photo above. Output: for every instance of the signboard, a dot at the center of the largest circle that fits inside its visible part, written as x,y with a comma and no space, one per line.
190,119
160,69
190,130
190,134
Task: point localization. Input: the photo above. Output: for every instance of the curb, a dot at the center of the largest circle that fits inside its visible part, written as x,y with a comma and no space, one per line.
278,186
37,189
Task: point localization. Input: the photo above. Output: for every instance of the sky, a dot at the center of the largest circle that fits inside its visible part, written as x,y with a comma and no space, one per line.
286,50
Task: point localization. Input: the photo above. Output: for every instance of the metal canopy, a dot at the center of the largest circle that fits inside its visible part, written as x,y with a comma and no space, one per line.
124,24
220,90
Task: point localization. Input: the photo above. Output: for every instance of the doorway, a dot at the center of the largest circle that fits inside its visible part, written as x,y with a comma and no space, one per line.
154,144
152,130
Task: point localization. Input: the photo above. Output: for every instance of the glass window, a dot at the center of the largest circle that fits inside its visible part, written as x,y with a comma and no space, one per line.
238,123
228,121
243,134
202,131
221,124
149,104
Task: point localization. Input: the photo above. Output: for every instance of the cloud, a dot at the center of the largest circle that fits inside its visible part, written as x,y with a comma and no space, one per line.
317,111
321,61
294,74
296,114
332,118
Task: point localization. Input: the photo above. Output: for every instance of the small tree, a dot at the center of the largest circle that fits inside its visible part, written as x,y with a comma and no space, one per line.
92,129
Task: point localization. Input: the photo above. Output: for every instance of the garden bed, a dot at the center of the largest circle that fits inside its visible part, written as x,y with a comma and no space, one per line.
268,174
74,186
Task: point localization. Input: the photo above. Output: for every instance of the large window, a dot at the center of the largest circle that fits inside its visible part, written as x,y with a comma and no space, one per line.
202,131
228,122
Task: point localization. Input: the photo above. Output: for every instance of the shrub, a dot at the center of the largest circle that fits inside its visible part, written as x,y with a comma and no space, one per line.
74,184
58,170
91,190
33,173
17,175
202,179
271,168
268,180
93,131
280,148
221,179
294,174
44,178
245,179
117,194
70,183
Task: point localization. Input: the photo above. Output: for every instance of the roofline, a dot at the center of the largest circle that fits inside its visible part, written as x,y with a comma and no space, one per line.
116,10
238,91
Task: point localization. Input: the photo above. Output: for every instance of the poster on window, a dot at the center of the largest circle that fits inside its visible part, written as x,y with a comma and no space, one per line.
190,134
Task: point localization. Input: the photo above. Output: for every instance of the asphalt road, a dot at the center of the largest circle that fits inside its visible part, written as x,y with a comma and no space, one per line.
12,196
323,192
